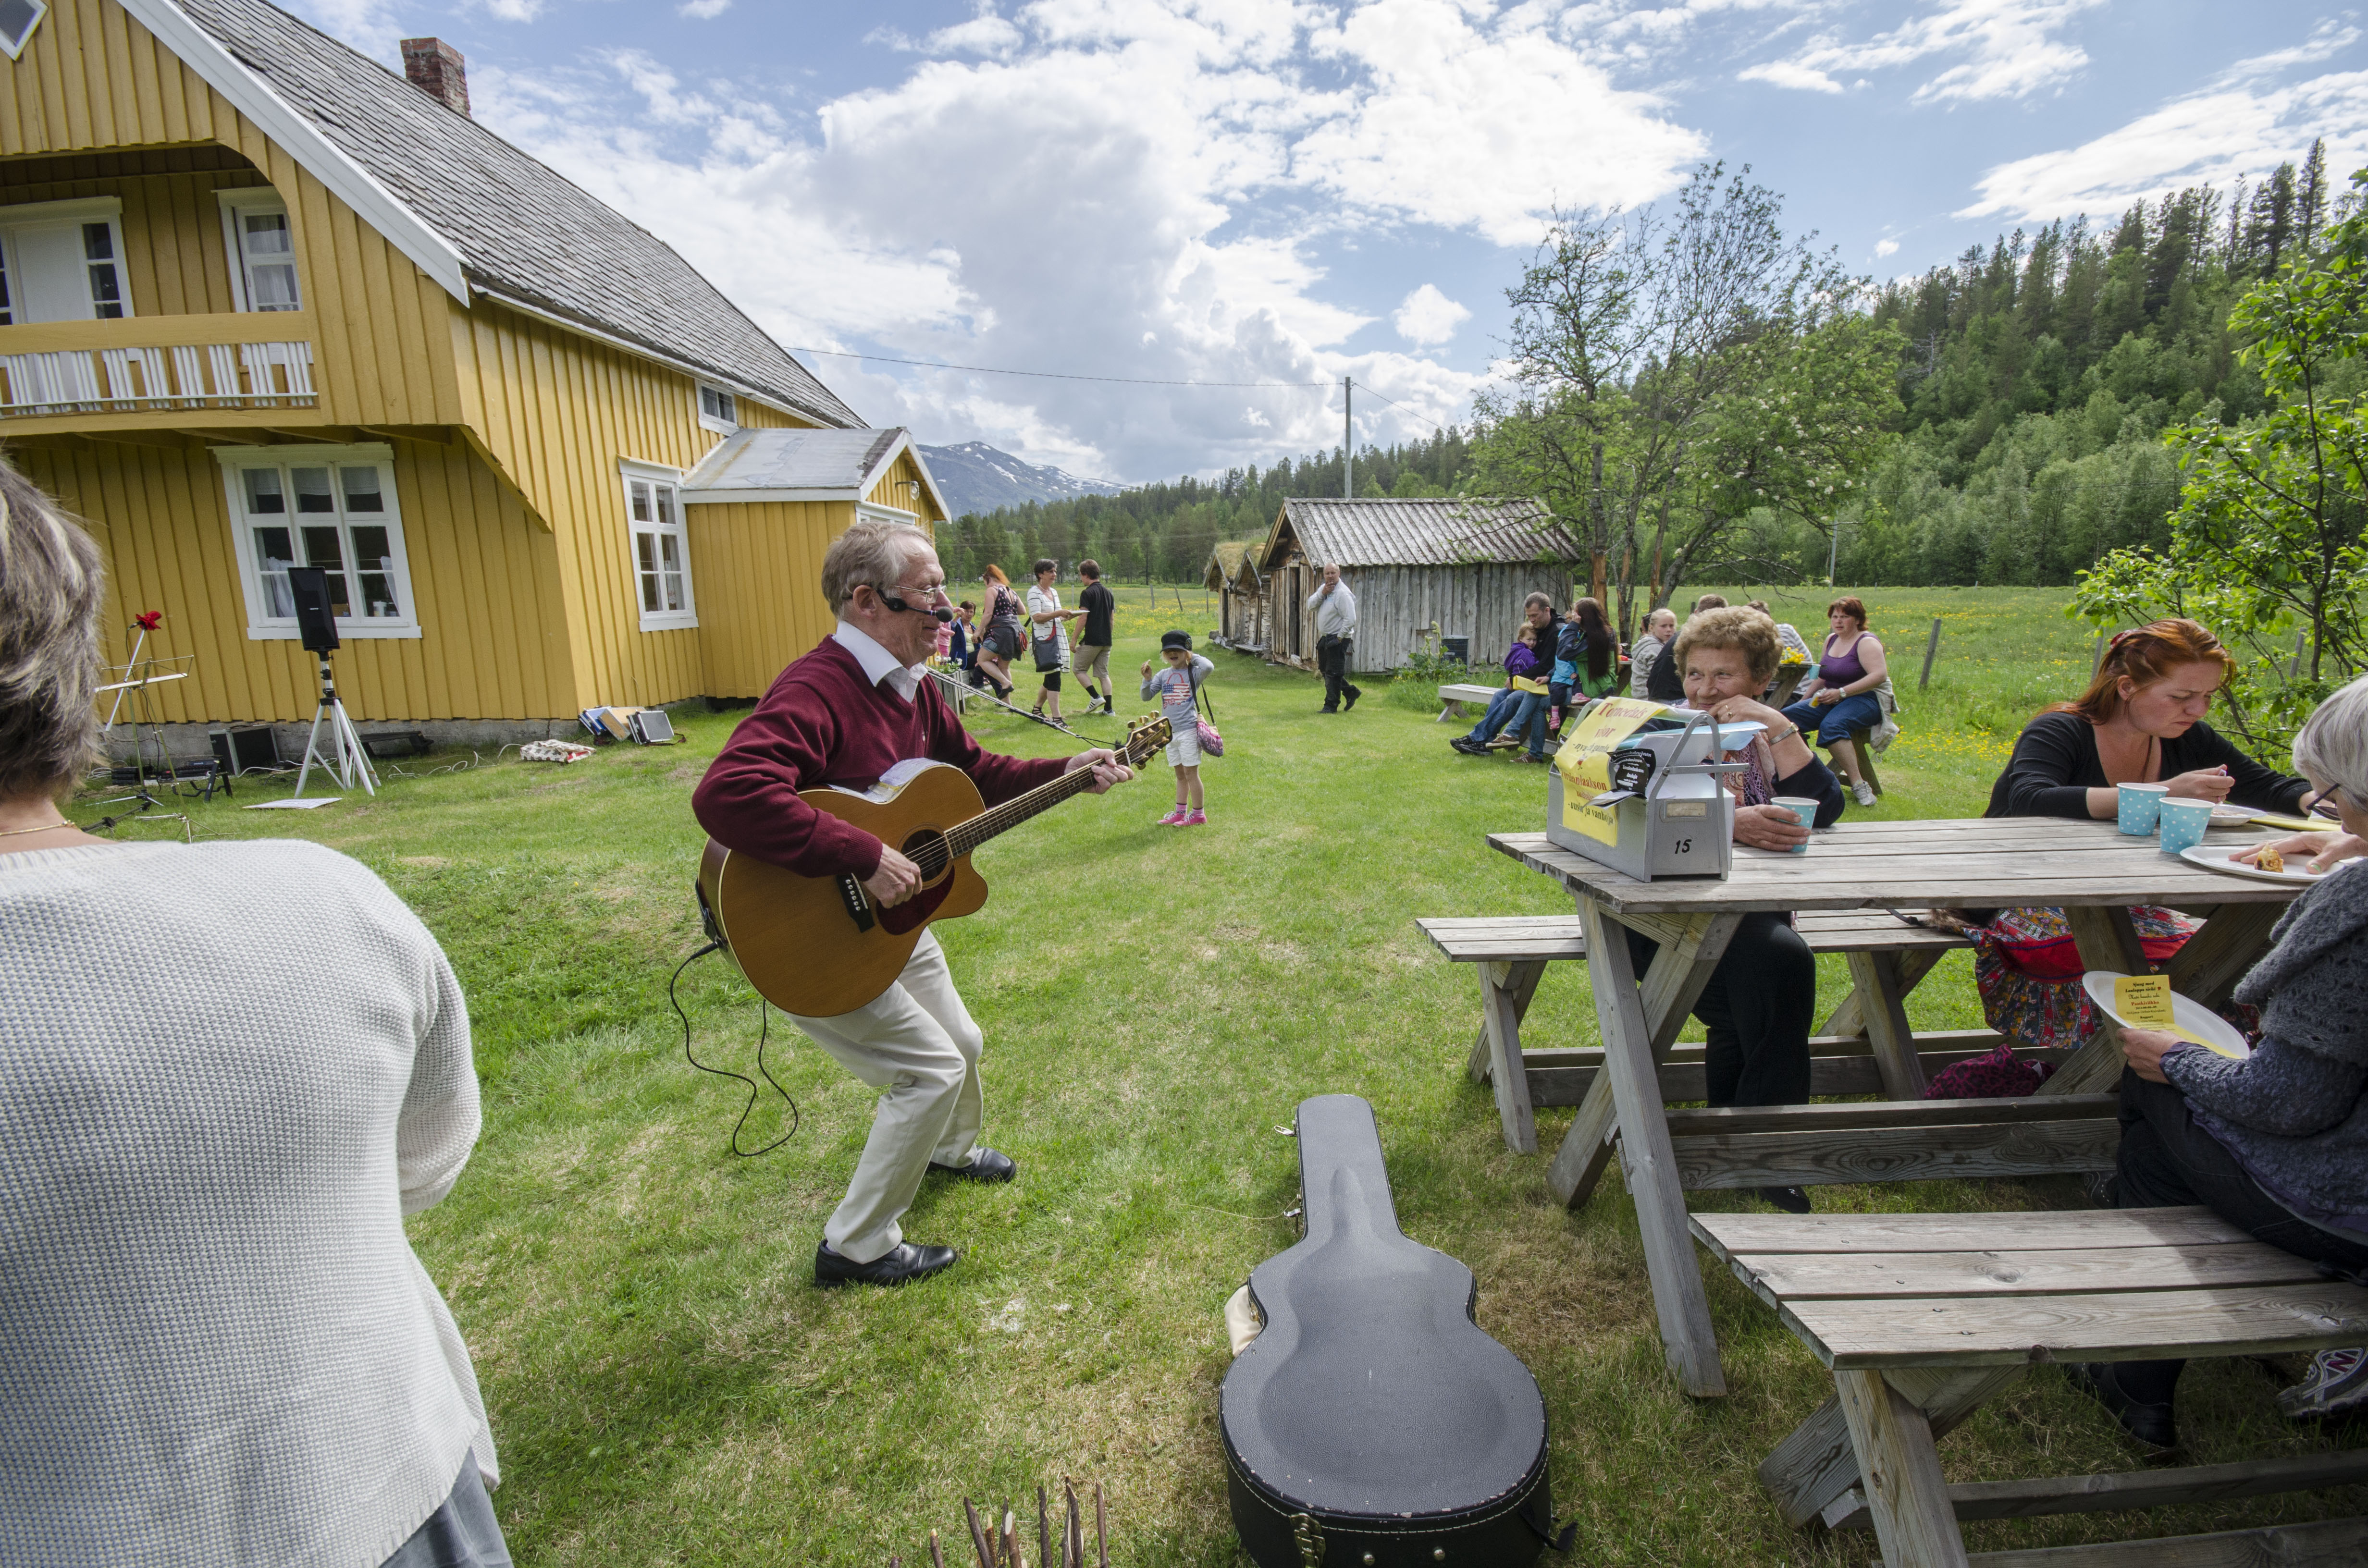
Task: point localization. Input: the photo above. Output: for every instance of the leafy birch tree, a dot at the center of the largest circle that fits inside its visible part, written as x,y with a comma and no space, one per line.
2268,547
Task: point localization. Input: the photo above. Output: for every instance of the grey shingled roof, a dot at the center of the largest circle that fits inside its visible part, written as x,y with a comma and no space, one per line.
521,230
793,460
1456,530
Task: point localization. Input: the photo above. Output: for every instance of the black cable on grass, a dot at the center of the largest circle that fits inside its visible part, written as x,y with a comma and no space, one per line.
764,1032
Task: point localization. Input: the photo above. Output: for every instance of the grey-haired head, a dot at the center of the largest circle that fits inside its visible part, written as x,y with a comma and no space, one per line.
52,591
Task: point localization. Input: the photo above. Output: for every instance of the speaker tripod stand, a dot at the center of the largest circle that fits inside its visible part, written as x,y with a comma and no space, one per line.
346,760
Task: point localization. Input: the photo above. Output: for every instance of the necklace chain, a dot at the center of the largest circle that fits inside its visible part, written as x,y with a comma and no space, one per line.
45,827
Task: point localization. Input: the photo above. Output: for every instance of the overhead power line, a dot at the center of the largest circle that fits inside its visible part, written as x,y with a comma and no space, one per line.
1049,375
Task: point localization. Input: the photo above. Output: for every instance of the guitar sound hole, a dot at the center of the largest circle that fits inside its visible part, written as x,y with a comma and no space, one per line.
927,849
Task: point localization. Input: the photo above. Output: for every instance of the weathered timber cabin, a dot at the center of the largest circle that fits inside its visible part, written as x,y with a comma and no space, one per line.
1453,567
269,303
1233,577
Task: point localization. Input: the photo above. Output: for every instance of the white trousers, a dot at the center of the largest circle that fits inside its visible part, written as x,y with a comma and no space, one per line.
917,1045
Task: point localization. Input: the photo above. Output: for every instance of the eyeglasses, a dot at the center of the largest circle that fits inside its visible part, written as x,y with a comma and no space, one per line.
918,590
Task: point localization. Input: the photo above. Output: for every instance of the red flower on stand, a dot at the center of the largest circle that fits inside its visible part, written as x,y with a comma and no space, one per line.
149,621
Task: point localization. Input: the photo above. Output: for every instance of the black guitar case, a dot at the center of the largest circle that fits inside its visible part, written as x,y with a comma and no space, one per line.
1371,1421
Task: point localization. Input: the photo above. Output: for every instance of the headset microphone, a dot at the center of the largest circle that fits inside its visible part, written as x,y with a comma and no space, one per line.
939,615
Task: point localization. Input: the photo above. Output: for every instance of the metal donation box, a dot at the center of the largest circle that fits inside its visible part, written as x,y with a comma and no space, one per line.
1646,803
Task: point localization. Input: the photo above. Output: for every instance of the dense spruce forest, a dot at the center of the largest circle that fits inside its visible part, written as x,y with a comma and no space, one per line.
1163,532
2036,377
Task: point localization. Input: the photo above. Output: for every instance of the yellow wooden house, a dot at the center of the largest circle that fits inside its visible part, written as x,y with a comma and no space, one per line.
264,304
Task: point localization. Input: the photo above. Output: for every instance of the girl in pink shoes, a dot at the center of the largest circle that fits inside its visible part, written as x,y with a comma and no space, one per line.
1175,688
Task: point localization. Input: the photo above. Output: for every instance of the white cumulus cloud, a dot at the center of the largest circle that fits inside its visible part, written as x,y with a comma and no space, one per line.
2211,137
703,10
1789,74
1427,316
2000,49
1134,188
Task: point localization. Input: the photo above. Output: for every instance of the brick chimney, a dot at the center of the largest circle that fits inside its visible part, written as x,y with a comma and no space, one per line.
438,69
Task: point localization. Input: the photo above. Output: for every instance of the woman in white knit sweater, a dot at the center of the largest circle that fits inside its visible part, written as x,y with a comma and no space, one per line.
227,1072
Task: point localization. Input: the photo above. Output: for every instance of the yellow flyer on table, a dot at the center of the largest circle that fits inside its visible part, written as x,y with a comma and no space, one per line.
1585,763
2143,1000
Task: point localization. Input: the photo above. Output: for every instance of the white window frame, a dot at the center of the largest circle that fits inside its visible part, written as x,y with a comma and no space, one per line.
261,625
873,512
236,203
629,471
16,47
56,214
709,422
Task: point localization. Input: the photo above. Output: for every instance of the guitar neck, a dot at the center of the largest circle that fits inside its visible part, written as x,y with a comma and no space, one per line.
969,835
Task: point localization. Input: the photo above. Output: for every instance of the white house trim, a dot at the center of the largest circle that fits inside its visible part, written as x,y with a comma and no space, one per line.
324,159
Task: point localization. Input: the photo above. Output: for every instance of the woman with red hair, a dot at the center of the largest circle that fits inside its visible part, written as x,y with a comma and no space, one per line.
2141,722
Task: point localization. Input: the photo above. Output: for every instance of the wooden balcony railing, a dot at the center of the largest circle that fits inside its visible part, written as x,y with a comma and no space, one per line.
157,364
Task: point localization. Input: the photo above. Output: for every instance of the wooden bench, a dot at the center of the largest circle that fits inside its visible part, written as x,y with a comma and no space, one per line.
1453,697
1922,1318
1887,958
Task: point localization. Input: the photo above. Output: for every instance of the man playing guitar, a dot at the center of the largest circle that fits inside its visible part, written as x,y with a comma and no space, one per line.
844,714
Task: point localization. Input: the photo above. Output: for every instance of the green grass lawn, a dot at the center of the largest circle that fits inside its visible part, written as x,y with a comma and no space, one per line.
667,1387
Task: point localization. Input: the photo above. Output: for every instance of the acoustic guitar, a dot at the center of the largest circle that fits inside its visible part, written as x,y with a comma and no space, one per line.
821,946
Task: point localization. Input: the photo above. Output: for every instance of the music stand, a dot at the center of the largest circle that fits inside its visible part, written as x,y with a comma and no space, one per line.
347,760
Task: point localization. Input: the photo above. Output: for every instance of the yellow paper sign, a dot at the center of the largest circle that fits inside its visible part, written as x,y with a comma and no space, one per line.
2143,1000
1584,762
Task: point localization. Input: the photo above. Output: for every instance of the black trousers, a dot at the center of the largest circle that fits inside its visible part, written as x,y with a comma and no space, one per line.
2167,1161
1757,1008
1332,659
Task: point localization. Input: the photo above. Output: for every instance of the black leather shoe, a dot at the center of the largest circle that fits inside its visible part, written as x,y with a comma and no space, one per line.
1468,746
986,1165
1792,1199
907,1263
2151,1425
1350,700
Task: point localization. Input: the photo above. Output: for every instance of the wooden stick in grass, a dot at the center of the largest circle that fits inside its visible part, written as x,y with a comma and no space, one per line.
1010,1536
978,1535
1101,1528
937,1557
1044,1532
1073,1539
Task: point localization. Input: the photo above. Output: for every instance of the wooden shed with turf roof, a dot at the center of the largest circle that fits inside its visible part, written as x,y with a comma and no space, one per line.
1453,566
1233,575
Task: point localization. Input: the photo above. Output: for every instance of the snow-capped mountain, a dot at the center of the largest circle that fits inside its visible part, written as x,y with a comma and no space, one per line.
975,477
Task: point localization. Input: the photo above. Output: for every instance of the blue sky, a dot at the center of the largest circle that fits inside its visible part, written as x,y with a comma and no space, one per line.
1258,190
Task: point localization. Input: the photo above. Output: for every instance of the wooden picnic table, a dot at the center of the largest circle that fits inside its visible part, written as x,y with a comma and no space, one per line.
2089,869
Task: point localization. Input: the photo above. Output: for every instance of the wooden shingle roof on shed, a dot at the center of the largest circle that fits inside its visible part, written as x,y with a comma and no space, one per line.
434,179
1453,531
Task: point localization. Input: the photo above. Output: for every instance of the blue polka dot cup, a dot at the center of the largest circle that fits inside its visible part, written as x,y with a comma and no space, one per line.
1804,812
2141,807
2183,822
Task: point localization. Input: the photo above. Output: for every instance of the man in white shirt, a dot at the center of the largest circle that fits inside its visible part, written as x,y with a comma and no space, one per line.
1336,632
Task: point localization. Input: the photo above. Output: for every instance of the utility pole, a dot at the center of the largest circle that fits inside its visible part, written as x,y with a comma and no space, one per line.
1348,439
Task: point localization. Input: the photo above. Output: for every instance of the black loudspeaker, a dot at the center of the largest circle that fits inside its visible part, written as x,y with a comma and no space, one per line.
317,623
246,748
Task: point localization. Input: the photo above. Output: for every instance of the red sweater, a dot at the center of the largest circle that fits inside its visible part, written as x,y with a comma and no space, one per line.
823,723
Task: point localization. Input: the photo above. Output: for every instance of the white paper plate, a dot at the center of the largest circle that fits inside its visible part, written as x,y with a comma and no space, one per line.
2216,858
2232,816
2194,1016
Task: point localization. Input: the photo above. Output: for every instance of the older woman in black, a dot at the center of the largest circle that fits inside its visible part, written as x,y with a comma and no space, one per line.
1761,1000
